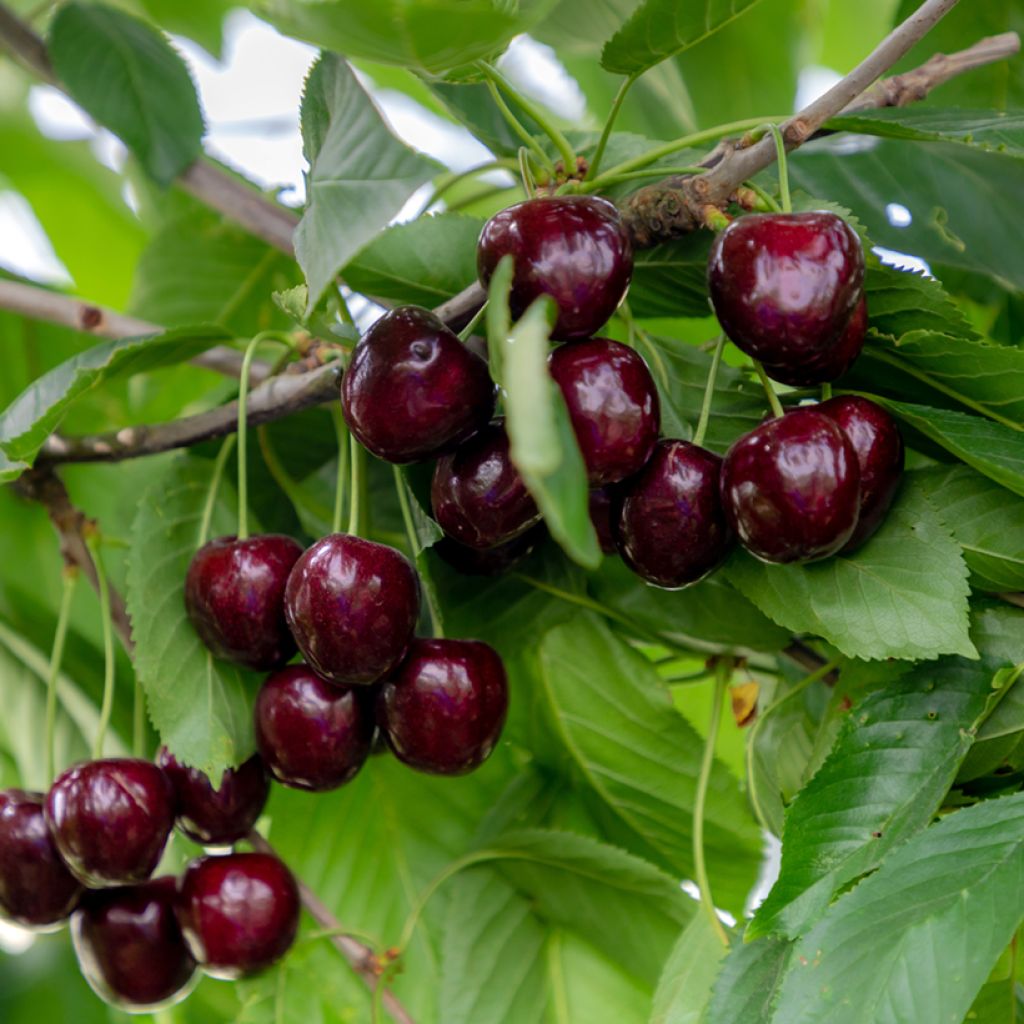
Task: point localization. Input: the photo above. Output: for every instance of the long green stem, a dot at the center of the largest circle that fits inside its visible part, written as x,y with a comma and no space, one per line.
402,490
652,172
709,393
467,331
773,399
766,198
722,672
56,657
783,162
826,391
454,179
595,160
517,127
526,177
243,439
341,433
107,705
356,525
211,495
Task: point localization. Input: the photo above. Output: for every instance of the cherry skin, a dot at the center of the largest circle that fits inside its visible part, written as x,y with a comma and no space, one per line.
36,890
130,948
671,528
601,503
791,488
412,389
221,816
784,285
239,913
833,363
313,734
613,405
352,606
110,819
478,497
234,595
573,248
876,439
443,710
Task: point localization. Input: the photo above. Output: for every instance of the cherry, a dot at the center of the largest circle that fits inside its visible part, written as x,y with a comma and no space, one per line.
352,606
218,816
784,285
489,561
876,439
791,488
110,819
478,497
444,709
573,248
413,389
833,363
601,504
130,947
613,405
36,890
671,529
239,913
234,595
312,734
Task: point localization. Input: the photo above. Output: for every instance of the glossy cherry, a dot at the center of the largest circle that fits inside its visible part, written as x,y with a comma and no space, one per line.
831,364
573,248
312,734
239,913
791,488
412,389
613,405
234,595
130,947
671,528
352,606
876,439
443,710
784,285
110,819
222,815
478,497
489,561
602,509
36,889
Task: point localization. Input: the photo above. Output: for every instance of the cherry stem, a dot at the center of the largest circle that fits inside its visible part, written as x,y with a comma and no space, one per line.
723,671
526,177
211,495
517,126
773,399
107,705
402,489
709,393
595,160
651,172
56,657
766,197
341,433
454,179
467,331
826,391
783,162
356,519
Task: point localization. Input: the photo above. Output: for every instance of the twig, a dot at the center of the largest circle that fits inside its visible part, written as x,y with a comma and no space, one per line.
1014,599
361,957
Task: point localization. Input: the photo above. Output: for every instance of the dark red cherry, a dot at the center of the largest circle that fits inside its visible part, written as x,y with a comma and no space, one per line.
573,248
671,529
443,710
412,389
478,497
130,947
876,439
784,285
220,816
352,606
239,913
312,734
36,889
489,561
601,505
110,819
831,364
791,488
613,405
234,595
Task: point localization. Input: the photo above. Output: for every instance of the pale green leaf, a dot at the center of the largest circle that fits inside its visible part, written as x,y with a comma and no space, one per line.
688,975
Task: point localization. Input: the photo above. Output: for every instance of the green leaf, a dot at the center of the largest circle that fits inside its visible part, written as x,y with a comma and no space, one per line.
38,410
671,279
915,941
987,522
614,718
688,975
200,706
892,763
662,28
901,595
995,450
746,986
128,77
360,174
423,262
903,301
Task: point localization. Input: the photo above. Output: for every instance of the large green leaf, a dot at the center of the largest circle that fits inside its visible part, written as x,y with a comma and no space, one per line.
126,75
745,988
916,941
671,279
200,706
662,28
901,595
901,302
37,411
360,174
689,973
